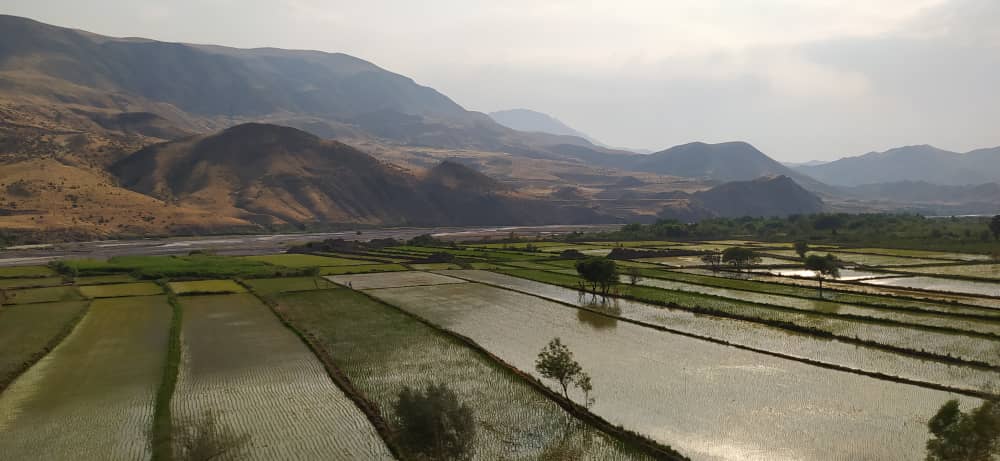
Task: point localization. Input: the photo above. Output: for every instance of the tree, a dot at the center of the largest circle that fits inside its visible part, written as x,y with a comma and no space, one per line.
823,266
801,248
995,227
556,362
740,258
634,275
434,425
960,436
599,272
712,259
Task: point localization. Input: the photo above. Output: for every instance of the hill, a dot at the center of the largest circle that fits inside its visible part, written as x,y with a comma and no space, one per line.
723,162
912,163
772,196
274,176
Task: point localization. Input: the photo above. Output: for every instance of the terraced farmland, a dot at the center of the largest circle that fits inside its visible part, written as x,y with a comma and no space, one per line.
382,350
941,284
394,279
780,409
986,271
93,396
240,362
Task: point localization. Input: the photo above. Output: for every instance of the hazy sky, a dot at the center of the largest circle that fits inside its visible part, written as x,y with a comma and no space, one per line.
800,79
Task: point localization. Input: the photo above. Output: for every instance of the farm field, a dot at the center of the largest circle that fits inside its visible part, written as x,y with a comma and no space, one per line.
26,331
748,334
862,258
241,363
986,271
860,288
975,349
121,289
206,287
91,398
366,339
305,260
785,407
305,355
940,284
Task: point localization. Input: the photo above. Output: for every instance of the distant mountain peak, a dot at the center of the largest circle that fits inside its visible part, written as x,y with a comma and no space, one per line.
534,121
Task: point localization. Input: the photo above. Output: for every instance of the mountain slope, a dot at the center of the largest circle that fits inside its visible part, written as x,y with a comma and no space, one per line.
532,121
277,175
911,163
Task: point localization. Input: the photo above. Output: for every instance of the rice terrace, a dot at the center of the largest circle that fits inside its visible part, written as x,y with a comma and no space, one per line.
607,345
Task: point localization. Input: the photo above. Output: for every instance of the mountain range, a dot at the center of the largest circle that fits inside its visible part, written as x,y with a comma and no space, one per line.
123,136
912,163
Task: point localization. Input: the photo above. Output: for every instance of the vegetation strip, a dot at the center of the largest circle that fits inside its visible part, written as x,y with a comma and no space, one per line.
650,446
6,381
791,326
369,409
832,366
162,439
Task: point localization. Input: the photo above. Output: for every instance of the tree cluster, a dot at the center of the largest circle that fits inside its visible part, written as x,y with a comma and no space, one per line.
600,273
741,258
965,436
434,425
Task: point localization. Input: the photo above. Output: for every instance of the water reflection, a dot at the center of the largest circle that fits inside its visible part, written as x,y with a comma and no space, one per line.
595,320
598,311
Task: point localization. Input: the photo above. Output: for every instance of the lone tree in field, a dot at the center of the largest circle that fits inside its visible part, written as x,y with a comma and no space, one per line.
713,259
556,362
740,258
634,275
823,266
959,436
801,248
599,272
434,425
995,227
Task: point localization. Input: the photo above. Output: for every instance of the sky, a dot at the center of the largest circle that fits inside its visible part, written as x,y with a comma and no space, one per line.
800,79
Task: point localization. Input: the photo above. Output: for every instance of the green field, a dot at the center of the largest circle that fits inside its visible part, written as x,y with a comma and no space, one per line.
206,287
285,284
27,331
304,260
102,279
41,295
26,271
121,289
6,284
91,398
155,267
392,279
366,338
240,362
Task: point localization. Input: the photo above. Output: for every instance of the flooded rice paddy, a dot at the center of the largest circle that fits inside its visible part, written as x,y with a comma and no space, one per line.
239,362
712,402
942,284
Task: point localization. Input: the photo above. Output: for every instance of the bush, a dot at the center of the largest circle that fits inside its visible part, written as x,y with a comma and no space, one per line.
434,425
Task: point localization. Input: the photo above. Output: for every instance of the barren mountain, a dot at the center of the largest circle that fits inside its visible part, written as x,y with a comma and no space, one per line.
912,163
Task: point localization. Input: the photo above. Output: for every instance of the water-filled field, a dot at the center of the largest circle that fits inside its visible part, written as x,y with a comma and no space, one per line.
942,284
394,279
986,271
863,258
382,350
845,274
921,254
93,396
259,379
749,334
712,402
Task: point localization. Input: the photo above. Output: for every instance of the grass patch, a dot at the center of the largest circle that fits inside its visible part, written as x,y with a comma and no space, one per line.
296,260
206,287
162,441
339,270
26,271
102,279
435,266
42,295
288,284
121,289
7,284
156,267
